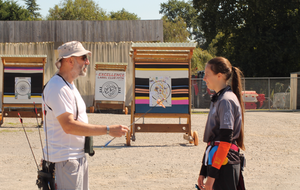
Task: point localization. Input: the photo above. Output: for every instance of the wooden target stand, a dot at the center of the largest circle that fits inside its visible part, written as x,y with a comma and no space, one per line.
105,103
23,80
168,66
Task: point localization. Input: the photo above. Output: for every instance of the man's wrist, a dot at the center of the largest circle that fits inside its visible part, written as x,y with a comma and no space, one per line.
107,129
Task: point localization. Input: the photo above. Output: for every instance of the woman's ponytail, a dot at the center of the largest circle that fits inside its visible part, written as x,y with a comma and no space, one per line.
237,88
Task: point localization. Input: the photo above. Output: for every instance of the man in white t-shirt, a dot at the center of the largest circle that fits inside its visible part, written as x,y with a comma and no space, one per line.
66,121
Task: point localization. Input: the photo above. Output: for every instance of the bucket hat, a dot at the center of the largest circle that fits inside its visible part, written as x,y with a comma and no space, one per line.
69,49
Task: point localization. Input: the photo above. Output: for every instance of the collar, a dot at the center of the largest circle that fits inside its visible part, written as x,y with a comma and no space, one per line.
215,97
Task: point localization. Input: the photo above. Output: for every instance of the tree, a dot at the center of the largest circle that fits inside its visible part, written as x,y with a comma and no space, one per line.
10,10
77,10
212,49
260,37
175,31
199,59
33,7
123,15
175,9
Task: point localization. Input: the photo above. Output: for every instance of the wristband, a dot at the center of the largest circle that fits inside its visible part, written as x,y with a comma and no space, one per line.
107,129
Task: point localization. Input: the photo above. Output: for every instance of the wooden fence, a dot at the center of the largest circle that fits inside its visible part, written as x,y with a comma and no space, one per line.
84,31
101,52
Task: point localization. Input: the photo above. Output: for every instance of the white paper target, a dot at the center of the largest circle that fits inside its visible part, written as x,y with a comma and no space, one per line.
160,87
22,87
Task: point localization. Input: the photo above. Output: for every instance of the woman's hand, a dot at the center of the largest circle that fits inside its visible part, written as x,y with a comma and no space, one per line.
209,183
200,181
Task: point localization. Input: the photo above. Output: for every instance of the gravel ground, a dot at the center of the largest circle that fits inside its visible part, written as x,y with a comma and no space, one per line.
161,160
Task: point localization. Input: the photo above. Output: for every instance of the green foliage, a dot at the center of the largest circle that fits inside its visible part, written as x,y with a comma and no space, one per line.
10,10
86,10
77,10
33,7
260,37
199,59
175,31
175,9
123,15
212,49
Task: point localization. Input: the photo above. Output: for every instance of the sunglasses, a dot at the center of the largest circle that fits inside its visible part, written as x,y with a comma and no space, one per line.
84,57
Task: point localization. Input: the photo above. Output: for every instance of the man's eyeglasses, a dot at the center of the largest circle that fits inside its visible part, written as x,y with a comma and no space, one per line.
84,58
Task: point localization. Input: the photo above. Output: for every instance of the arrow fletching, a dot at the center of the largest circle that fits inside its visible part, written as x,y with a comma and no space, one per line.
160,103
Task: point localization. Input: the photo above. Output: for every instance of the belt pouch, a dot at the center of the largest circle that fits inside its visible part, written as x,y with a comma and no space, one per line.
88,146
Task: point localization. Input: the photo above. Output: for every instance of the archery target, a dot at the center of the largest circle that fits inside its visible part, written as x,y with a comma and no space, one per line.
22,87
160,88
110,90
166,81
110,85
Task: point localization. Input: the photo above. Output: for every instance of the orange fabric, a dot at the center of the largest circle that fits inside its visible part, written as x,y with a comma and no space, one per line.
221,154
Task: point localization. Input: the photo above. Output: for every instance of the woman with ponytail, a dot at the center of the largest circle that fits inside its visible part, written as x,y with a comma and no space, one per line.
224,130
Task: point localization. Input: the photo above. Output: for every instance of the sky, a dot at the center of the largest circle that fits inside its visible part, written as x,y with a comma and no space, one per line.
146,10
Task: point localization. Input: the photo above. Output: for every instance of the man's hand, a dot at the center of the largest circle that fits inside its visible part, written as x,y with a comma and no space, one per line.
118,130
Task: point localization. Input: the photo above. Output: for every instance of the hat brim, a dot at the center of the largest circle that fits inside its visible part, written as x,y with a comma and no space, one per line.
77,54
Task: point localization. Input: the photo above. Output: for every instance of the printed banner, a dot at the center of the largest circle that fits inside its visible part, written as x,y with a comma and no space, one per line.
110,85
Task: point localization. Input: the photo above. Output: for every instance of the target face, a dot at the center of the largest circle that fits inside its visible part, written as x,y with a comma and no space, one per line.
110,90
22,87
160,88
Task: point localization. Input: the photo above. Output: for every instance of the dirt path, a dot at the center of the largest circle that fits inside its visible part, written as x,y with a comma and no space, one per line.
162,160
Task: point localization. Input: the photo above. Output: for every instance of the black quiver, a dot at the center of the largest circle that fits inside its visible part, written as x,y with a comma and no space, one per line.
46,177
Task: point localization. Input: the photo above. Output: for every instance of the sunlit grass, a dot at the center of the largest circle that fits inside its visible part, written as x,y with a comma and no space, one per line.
10,123
15,130
199,112
8,131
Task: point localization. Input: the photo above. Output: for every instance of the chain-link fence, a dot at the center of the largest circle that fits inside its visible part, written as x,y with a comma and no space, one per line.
259,93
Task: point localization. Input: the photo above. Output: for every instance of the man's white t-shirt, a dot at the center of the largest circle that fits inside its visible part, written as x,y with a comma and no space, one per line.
61,98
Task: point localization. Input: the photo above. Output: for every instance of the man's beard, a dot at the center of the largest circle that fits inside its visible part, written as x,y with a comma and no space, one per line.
82,72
